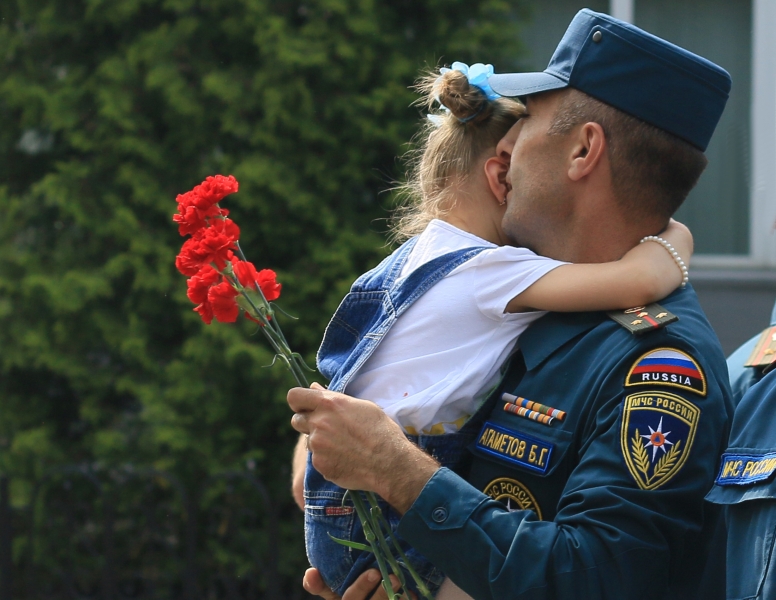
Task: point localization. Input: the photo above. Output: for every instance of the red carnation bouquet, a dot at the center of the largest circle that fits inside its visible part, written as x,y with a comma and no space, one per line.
222,284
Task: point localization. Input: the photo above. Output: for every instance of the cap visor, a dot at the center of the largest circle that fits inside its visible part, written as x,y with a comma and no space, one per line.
524,84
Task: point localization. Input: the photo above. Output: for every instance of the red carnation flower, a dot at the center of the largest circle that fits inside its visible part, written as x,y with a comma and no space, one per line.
221,298
227,227
191,219
206,312
190,260
268,283
200,283
212,244
213,190
215,247
245,272
196,206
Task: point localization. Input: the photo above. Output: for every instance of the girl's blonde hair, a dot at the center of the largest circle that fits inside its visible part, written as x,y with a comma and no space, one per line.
447,147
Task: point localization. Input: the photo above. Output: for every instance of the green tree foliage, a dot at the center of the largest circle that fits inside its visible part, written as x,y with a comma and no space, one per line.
108,109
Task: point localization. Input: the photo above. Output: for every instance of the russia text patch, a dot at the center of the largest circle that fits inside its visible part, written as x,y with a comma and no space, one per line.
657,433
667,366
743,469
515,447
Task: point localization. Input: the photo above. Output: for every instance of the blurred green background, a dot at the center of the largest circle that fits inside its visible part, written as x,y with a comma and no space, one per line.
108,109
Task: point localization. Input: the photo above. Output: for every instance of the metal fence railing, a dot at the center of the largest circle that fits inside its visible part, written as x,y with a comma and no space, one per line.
140,533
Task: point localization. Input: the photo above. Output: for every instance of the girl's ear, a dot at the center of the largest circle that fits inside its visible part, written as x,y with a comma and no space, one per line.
496,168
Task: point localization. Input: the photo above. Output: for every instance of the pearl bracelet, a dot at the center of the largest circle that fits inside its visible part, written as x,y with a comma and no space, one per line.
674,254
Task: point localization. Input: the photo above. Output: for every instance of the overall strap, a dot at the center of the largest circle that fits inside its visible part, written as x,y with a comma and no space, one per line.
382,298
384,275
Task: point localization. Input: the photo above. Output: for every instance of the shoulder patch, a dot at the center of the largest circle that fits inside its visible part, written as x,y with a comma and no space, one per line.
657,432
670,367
743,469
513,494
641,319
764,352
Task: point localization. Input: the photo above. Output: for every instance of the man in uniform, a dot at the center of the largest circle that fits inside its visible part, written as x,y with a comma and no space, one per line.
592,460
745,484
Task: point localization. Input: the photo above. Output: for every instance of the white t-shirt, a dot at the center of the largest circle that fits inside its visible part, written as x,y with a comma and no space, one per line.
444,355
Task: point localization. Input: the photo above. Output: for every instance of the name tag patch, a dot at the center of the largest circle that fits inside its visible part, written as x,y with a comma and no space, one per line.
743,469
667,366
515,447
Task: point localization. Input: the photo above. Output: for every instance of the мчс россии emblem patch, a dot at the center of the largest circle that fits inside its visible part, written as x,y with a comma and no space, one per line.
657,433
512,494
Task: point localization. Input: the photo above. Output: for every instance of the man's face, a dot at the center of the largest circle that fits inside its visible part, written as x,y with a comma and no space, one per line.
539,198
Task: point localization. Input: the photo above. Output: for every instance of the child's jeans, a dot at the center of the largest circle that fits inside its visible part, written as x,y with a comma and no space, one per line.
325,515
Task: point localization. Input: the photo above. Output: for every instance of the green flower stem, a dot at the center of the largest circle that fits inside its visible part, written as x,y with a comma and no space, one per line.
376,518
276,340
371,537
386,549
383,523
373,522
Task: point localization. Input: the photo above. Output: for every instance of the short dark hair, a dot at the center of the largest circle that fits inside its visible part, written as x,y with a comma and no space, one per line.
652,170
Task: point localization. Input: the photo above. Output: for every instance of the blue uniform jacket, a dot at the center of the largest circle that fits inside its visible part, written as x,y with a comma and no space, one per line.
605,501
746,485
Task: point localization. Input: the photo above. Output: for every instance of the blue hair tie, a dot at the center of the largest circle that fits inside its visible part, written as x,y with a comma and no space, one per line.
477,75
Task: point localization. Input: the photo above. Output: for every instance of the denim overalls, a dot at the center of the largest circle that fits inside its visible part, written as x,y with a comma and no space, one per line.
375,301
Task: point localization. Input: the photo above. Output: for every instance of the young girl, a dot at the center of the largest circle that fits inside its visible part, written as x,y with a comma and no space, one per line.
425,334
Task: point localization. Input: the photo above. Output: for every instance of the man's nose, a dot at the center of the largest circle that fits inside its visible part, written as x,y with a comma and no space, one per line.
507,143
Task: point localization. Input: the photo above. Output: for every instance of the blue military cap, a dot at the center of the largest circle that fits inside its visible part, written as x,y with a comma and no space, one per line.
634,71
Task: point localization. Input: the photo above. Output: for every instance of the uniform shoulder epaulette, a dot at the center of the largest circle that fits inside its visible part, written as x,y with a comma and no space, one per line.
641,319
763,354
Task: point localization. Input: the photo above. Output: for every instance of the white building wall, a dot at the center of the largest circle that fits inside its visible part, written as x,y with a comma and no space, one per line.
621,9
763,193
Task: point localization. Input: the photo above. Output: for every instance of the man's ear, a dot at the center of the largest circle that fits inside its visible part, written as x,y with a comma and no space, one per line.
588,150
496,168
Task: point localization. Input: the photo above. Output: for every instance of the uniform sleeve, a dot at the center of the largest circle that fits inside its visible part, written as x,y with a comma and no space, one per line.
751,572
628,509
502,273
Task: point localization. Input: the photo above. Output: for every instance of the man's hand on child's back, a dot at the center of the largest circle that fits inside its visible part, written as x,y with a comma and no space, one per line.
360,590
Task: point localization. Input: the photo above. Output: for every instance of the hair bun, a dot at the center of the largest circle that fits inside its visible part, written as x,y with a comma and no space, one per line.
466,102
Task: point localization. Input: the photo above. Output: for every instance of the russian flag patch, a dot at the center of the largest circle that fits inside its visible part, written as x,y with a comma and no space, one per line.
669,367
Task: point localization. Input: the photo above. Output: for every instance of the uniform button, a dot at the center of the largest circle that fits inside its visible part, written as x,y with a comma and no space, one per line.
597,36
439,515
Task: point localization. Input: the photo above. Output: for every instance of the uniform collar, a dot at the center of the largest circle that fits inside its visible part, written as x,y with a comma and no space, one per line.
550,332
